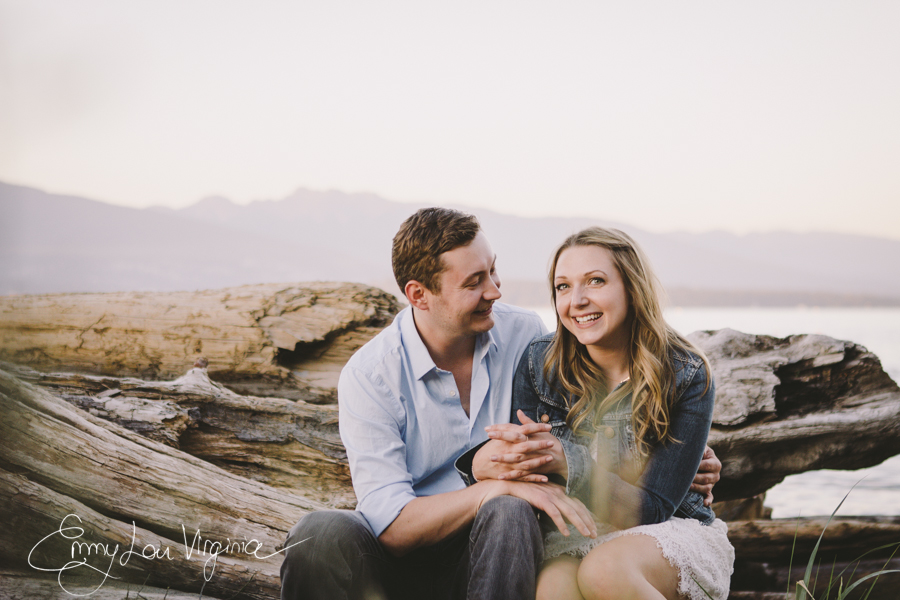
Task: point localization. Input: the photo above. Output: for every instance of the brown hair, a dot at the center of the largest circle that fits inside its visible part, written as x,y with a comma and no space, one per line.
423,237
652,375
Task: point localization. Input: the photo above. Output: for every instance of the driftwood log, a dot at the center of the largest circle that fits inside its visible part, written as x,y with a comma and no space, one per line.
283,443
286,340
106,424
57,460
796,404
784,406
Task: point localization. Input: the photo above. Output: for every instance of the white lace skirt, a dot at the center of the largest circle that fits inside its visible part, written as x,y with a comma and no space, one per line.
702,553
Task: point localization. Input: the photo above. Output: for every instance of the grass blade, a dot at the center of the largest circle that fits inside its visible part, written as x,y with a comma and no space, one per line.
815,551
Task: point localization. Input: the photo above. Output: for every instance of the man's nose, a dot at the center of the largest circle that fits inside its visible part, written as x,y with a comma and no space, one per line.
493,288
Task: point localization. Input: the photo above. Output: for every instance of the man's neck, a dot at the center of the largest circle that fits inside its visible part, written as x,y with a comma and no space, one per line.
447,351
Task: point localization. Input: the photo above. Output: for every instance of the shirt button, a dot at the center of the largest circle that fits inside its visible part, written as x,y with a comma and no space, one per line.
610,432
453,393
545,418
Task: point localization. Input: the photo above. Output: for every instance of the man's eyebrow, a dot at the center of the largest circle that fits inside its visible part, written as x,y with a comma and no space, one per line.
478,274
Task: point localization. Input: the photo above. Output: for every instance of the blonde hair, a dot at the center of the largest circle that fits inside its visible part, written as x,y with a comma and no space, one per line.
652,376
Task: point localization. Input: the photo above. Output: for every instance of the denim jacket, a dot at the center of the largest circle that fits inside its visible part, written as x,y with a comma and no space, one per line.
664,481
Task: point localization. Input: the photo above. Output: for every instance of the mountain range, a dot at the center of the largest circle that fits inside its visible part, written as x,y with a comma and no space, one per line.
53,243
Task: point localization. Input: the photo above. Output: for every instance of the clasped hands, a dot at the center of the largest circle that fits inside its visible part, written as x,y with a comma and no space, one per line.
529,452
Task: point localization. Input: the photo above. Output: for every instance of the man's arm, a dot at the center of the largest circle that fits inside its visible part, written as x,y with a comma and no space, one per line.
430,519
707,475
371,418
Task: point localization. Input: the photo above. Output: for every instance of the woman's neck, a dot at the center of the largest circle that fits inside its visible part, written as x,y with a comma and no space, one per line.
614,363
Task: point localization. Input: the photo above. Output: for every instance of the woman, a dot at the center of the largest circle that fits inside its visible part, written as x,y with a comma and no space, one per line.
630,402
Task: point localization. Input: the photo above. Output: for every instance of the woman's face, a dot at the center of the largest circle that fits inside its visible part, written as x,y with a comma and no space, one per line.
590,298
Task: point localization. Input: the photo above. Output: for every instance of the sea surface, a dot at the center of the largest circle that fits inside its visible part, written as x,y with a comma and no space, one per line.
877,490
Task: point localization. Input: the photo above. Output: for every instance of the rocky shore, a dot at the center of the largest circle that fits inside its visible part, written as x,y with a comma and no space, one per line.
174,420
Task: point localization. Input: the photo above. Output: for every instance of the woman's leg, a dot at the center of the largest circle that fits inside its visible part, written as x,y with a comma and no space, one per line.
630,567
557,579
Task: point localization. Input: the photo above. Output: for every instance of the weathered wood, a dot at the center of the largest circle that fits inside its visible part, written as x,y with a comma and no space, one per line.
795,404
60,460
284,443
771,540
764,581
766,549
286,340
22,585
785,406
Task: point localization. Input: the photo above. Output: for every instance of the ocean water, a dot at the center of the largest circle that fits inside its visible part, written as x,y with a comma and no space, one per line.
877,490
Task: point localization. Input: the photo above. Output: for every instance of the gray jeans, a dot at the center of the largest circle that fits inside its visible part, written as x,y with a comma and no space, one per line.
496,558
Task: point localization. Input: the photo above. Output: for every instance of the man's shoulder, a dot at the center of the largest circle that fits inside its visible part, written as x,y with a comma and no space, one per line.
510,319
382,350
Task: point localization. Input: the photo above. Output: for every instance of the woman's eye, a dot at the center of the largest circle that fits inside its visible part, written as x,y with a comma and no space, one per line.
597,280
561,286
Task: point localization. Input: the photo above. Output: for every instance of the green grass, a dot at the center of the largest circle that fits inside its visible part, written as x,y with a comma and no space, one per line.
835,581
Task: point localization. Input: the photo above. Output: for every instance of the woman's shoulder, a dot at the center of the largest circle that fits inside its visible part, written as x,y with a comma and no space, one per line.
542,342
690,369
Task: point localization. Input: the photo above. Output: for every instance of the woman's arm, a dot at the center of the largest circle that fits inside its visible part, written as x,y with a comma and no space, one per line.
671,467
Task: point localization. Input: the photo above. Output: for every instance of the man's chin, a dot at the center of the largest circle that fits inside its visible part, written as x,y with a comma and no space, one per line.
483,320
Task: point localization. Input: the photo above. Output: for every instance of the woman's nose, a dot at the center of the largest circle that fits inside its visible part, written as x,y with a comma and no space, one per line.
578,297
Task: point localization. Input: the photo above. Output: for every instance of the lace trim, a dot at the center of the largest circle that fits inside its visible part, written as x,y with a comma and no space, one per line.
702,554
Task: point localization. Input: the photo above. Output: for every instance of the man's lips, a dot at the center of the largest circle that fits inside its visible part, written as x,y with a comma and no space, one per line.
485,311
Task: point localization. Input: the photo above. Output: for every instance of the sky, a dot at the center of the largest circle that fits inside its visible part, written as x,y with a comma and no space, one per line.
688,116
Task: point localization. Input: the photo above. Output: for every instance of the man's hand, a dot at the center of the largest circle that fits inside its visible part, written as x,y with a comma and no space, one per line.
551,499
707,475
526,452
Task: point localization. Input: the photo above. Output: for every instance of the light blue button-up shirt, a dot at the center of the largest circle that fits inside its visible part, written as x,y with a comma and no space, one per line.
401,420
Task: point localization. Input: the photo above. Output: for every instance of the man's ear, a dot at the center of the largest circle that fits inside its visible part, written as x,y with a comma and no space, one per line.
416,294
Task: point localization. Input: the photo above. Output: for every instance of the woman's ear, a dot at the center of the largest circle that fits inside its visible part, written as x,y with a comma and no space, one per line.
415,294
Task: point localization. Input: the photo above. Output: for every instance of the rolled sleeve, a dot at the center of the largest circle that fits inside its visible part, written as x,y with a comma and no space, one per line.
371,430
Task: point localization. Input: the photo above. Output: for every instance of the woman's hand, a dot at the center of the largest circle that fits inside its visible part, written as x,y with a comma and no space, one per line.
526,452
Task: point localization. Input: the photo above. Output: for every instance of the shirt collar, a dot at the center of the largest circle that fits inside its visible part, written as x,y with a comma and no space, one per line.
484,344
419,358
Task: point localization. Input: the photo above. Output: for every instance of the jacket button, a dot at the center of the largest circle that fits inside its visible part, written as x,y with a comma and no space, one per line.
610,432
545,418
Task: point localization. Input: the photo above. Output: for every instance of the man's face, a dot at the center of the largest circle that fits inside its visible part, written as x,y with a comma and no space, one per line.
469,287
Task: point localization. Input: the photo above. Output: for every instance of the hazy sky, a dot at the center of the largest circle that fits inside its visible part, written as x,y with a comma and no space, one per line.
667,115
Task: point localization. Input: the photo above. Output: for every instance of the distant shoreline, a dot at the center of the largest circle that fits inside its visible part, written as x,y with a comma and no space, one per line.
534,293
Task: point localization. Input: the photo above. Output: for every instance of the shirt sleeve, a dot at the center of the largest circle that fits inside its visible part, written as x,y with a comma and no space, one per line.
672,466
371,426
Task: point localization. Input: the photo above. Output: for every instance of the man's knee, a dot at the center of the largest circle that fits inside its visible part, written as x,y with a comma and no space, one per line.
326,534
328,549
505,550
508,513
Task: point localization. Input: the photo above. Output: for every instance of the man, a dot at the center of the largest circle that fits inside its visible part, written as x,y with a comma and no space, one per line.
412,400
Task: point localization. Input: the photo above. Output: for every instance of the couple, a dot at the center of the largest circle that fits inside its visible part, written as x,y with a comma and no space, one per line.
611,418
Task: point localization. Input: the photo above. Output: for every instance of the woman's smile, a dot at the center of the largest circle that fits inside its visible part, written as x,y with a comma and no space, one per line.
590,297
